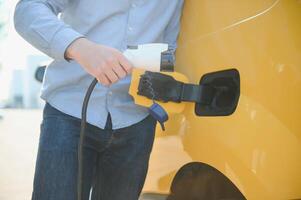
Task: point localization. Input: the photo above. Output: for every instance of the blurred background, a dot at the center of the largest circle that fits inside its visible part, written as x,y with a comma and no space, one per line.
20,108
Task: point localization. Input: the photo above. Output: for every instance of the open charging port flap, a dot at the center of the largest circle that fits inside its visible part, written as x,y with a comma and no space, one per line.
226,86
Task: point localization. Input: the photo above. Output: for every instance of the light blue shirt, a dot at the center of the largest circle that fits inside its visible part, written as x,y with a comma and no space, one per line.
52,25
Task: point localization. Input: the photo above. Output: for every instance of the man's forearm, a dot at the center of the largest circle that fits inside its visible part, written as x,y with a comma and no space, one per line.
37,22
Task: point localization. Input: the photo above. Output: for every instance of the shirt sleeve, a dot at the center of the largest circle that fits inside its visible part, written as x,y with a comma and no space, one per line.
173,28
38,23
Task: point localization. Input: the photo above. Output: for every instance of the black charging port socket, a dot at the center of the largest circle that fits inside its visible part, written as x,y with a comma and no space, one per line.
226,87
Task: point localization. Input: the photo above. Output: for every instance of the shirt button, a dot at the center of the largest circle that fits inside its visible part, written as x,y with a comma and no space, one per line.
110,93
130,29
134,5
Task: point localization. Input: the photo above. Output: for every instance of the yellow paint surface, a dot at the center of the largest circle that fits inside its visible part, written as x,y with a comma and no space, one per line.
259,146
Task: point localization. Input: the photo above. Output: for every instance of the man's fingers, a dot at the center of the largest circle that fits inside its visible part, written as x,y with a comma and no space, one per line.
117,68
113,68
120,71
111,75
127,66
103,79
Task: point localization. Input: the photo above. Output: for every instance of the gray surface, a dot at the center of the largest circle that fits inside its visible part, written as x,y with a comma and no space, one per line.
19,133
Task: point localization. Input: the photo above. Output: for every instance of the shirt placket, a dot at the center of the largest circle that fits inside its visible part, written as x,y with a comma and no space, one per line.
129,39
131,28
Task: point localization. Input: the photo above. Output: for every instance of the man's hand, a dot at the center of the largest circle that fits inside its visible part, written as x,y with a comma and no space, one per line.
106,64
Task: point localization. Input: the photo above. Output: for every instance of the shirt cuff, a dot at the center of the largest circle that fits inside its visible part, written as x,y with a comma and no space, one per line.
61,41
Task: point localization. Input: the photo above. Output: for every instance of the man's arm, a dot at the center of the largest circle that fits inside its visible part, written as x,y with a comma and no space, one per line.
37,22
173,28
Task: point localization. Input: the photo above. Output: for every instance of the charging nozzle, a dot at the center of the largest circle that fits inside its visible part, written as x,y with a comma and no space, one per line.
153,57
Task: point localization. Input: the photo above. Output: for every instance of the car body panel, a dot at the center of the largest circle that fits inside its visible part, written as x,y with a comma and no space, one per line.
258,147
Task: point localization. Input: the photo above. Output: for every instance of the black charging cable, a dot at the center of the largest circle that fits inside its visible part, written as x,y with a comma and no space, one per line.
82,139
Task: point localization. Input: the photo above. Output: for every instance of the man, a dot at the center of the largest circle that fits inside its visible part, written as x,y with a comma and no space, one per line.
86,41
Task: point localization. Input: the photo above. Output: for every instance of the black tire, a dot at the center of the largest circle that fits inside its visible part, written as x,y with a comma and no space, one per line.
199,181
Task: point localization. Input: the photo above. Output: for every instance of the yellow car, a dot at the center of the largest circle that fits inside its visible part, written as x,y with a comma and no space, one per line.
255,153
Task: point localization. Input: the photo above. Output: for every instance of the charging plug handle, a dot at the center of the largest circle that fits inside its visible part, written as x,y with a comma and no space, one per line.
165,88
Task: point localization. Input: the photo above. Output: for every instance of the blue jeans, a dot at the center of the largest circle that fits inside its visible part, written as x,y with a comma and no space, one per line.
115,161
